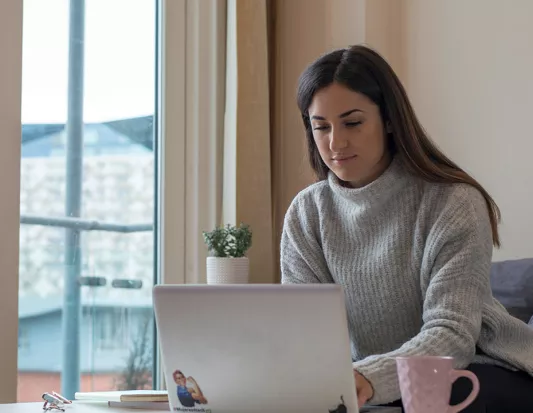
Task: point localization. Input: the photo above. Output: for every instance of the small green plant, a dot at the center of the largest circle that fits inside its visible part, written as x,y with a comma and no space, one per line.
229,241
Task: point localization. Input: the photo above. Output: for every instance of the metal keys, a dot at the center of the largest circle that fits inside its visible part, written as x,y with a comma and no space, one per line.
54,401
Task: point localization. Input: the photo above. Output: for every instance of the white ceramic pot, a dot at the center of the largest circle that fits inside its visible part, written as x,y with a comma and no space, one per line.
227,270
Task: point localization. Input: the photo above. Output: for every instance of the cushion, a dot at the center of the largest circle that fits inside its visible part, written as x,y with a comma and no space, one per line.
531,322
512,285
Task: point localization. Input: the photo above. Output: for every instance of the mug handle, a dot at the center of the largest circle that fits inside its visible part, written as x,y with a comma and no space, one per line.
473,394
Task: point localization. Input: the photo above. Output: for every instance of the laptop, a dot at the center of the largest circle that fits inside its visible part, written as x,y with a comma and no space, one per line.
255,348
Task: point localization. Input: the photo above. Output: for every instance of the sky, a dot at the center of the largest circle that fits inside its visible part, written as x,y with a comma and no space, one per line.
119,60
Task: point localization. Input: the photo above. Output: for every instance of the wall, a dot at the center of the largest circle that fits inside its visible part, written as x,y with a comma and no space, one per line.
10,86
299,38
468,68
247,178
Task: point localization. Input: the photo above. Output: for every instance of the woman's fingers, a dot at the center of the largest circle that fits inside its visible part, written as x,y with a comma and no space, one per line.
361,397
361,400
363,388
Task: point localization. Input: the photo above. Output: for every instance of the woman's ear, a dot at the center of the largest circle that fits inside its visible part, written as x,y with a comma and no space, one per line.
388,127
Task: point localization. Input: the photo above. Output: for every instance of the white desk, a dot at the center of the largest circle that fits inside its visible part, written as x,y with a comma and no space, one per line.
70,408
104,408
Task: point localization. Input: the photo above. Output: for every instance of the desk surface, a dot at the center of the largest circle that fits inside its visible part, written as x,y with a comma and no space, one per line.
77,407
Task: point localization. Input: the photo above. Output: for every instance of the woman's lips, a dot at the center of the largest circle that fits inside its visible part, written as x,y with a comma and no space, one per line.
343,159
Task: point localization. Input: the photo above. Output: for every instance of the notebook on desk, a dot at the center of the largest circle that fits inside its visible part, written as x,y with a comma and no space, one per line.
124,396
256,348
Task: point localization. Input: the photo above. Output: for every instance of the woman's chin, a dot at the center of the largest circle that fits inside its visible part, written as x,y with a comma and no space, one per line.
345,176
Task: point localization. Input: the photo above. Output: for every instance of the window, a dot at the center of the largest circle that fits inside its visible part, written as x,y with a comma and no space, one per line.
103,253
112,328
24,341
87,155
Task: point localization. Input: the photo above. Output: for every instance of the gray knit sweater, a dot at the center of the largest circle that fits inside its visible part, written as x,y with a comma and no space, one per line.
414,260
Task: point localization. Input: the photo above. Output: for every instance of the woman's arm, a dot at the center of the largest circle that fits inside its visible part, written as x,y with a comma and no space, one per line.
301,256
195,391
460,248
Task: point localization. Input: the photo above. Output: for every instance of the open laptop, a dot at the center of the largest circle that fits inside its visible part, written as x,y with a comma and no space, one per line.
255,348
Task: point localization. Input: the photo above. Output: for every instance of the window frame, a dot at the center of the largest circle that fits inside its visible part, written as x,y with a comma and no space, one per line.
171,151
192,75
170,154
10,118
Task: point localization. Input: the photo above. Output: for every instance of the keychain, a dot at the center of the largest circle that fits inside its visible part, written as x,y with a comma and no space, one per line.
54,401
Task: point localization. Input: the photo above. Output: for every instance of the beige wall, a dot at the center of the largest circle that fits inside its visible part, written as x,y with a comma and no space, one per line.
248,132
467,66
10,86
468,69
299,38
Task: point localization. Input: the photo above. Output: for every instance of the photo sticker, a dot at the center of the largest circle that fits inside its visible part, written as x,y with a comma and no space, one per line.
188,391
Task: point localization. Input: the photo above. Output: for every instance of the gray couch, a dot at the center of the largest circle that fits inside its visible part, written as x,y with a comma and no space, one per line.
512,285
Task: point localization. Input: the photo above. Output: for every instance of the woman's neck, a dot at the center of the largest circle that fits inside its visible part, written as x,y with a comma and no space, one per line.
376,193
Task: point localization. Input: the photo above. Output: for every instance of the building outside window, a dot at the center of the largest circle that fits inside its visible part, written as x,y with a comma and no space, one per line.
87,195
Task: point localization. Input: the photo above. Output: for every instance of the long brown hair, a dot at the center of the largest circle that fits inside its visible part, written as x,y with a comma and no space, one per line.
363,70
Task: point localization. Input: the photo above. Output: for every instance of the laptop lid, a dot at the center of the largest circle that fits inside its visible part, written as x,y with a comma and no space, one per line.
255,348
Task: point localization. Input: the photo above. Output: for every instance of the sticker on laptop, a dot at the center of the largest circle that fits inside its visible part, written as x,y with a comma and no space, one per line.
341,408
189,393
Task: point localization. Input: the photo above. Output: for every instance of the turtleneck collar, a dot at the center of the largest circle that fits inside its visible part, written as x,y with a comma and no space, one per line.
377,192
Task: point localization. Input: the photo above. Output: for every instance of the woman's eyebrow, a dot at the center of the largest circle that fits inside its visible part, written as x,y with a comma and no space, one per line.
342,115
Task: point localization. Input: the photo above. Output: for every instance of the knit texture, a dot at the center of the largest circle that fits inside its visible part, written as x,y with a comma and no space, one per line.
413,258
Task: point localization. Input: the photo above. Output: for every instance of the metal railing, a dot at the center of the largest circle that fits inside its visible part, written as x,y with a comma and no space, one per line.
81,224
72,302
73,223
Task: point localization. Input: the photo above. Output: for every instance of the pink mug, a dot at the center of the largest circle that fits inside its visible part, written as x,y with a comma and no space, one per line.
426,384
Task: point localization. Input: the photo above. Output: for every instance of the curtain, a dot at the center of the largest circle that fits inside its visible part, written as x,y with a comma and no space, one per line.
205,63
247,190
228,137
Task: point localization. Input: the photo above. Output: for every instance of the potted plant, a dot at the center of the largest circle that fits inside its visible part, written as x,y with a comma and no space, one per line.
227,245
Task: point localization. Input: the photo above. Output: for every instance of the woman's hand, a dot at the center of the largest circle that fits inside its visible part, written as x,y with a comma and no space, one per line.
364,389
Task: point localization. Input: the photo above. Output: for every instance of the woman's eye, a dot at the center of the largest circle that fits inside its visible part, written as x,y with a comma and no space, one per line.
352,124
320,128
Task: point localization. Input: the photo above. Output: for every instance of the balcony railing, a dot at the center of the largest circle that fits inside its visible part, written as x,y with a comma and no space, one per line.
84,224
140,130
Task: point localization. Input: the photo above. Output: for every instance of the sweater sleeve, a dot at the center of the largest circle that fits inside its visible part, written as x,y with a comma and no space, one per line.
459,250
301,256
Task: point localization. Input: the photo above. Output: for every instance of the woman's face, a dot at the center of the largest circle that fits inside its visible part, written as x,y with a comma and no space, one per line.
349,134
180,379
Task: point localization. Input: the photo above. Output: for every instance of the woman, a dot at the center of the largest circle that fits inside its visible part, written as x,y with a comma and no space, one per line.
188,391
406,232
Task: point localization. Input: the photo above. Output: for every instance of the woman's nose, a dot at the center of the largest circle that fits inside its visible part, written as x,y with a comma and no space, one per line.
337,141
